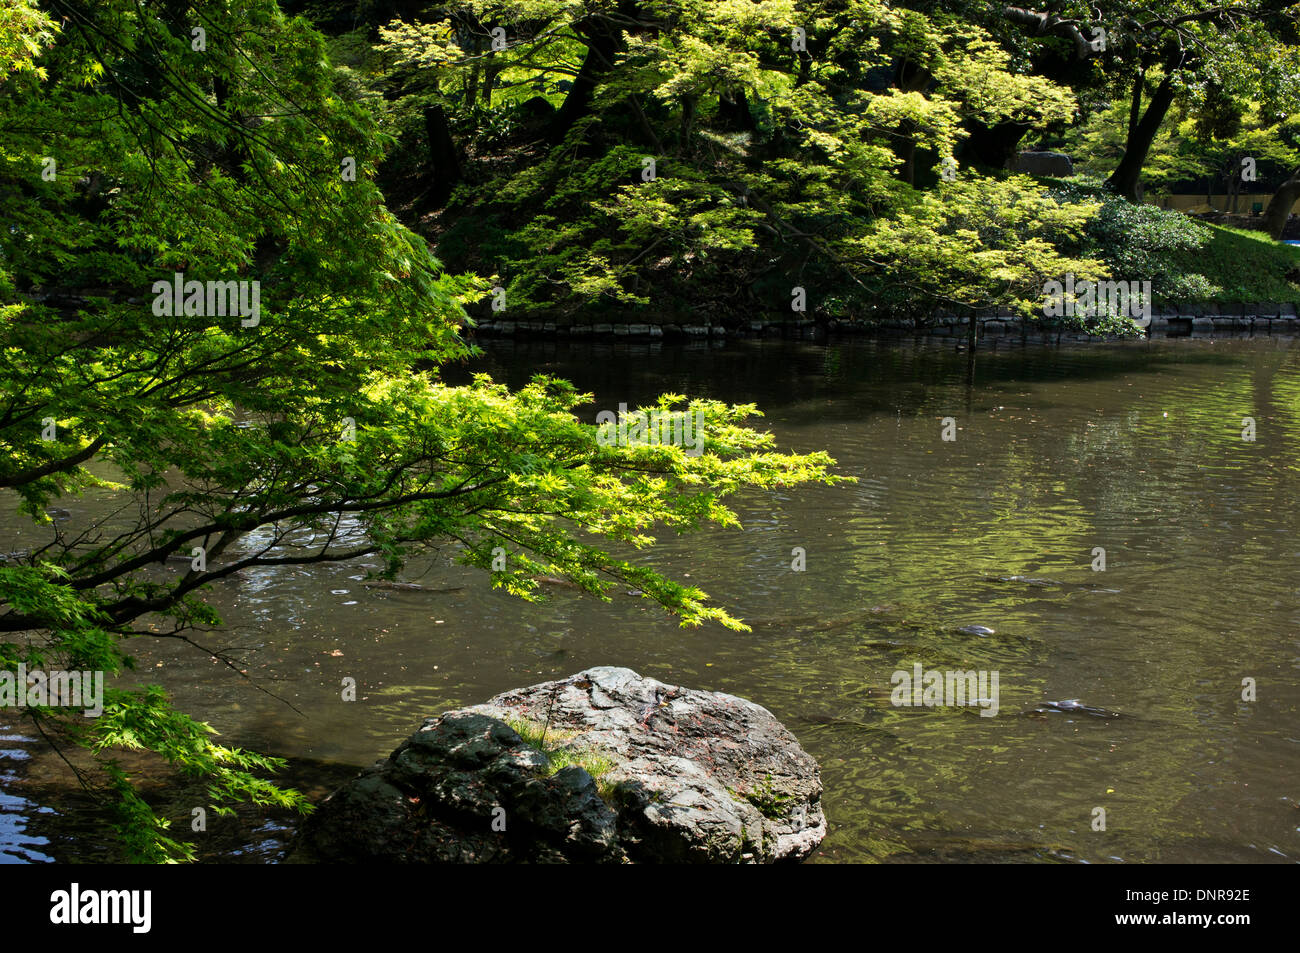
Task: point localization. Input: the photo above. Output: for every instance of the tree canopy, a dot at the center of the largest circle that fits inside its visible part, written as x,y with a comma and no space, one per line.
164,143
242,242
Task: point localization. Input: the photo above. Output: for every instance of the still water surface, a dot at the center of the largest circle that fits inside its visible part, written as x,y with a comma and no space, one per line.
1134,448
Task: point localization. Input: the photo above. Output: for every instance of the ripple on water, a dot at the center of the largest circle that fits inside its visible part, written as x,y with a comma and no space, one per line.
1061,454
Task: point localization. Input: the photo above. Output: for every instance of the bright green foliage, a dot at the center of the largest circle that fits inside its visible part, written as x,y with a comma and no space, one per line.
1009,233
692,157
227,160
812,181
24,31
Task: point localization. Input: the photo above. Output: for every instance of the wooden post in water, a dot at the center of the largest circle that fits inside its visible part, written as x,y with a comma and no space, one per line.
972,337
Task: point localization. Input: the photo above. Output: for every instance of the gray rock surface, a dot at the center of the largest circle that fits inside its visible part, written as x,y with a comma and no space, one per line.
681,776
1044,163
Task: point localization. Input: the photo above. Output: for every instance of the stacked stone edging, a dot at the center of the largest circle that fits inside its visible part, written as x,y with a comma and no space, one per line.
1182,320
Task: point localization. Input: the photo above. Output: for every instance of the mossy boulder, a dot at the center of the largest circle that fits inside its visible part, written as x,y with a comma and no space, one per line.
602,766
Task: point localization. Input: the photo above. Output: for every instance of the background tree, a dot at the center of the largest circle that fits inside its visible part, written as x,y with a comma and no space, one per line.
785,136
1158,50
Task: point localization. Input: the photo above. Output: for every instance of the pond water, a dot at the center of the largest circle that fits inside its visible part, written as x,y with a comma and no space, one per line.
1136,449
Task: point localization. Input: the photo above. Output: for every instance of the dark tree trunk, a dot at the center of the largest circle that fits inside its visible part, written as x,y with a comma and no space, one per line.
733,111
443,159
688,121
909,78
471,85
1279,207
1127,177
905,149
994,146
490,73
972,341
1135,102
232,156
603,44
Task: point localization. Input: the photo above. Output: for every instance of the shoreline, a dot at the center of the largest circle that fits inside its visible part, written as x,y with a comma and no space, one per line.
1205,320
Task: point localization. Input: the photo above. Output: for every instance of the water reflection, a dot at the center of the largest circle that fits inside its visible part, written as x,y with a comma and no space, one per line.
1133,449
17,844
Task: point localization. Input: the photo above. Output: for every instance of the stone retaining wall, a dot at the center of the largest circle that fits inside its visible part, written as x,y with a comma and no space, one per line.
1185,321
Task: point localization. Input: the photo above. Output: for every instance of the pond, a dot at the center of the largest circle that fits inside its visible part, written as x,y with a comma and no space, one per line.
983,553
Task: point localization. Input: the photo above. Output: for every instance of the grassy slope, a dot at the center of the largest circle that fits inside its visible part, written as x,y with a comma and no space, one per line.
1248,265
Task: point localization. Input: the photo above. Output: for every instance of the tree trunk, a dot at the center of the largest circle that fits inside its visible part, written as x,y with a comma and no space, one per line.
490,73
603,44
1126,178
910,78
994,146
1135,103
471,85
442,155
972,341
688,121
905,149
733,111
1279,208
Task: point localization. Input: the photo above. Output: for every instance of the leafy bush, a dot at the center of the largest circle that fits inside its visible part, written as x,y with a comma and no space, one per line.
1148,243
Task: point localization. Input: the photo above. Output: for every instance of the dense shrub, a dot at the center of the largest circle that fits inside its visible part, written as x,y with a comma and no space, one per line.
1148,243
1142,242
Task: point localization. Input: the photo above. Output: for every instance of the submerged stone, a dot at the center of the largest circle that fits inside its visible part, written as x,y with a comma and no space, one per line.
1073,706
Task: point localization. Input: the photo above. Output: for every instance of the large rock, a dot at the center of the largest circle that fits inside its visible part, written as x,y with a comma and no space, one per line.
681,775
1056,164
